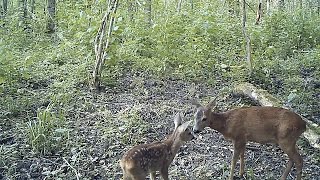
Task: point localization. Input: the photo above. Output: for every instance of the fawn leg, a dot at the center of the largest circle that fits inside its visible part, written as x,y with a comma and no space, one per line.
164,173
129,176
139,177
126,177
153,176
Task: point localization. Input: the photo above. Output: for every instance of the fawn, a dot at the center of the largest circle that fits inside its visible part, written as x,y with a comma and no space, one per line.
258,124
143,159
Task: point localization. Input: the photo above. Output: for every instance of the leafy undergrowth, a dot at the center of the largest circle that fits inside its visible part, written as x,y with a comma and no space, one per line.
90,135
52,126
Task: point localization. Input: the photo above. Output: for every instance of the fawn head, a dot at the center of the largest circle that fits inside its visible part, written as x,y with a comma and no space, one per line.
203,116
182,130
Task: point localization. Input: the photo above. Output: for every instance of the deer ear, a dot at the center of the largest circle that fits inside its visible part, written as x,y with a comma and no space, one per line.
212,103
195,103
177,121
185,125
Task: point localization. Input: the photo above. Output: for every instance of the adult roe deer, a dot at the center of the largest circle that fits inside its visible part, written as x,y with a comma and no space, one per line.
257,124
143,159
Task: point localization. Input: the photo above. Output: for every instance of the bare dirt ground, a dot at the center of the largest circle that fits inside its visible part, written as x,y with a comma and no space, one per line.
140,109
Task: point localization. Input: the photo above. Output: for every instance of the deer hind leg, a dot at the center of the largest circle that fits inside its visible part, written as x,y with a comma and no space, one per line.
242,162
294,158
298,161
238,148
287,170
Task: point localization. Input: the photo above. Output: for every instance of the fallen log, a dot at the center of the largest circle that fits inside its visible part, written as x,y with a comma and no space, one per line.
264,98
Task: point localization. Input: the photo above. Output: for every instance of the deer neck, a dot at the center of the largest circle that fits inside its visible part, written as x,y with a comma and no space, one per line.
219,122
174,144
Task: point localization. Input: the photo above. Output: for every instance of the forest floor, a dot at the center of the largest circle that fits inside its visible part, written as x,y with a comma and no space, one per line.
140,109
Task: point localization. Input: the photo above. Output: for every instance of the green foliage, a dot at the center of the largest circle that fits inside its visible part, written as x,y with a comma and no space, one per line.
203,43
225,170
189,45
250,173
295,80
47,133
285,34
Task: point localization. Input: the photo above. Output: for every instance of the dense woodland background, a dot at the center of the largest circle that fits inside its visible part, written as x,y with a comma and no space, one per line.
77,90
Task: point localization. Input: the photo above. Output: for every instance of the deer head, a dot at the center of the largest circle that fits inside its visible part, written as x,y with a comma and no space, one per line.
202,115
181,130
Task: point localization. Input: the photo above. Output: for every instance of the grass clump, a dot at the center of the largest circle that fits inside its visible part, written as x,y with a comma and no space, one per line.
47,132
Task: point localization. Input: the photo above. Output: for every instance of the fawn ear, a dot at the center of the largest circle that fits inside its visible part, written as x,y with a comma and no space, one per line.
185,125
195,103
177,121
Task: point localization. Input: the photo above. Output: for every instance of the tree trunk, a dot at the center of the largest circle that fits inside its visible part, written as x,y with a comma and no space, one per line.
148,12
318,7
33,7
268,7
300,4
23,9
51,26
281,4
5,7
246,36
265,99
165,2
102,41
260,96
259,12
23,13
179,5
130,10
292,5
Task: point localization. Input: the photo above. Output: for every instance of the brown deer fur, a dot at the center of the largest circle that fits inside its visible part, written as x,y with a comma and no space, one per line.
146,159
257,124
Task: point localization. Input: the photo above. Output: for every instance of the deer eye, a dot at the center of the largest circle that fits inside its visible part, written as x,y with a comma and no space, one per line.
204,119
